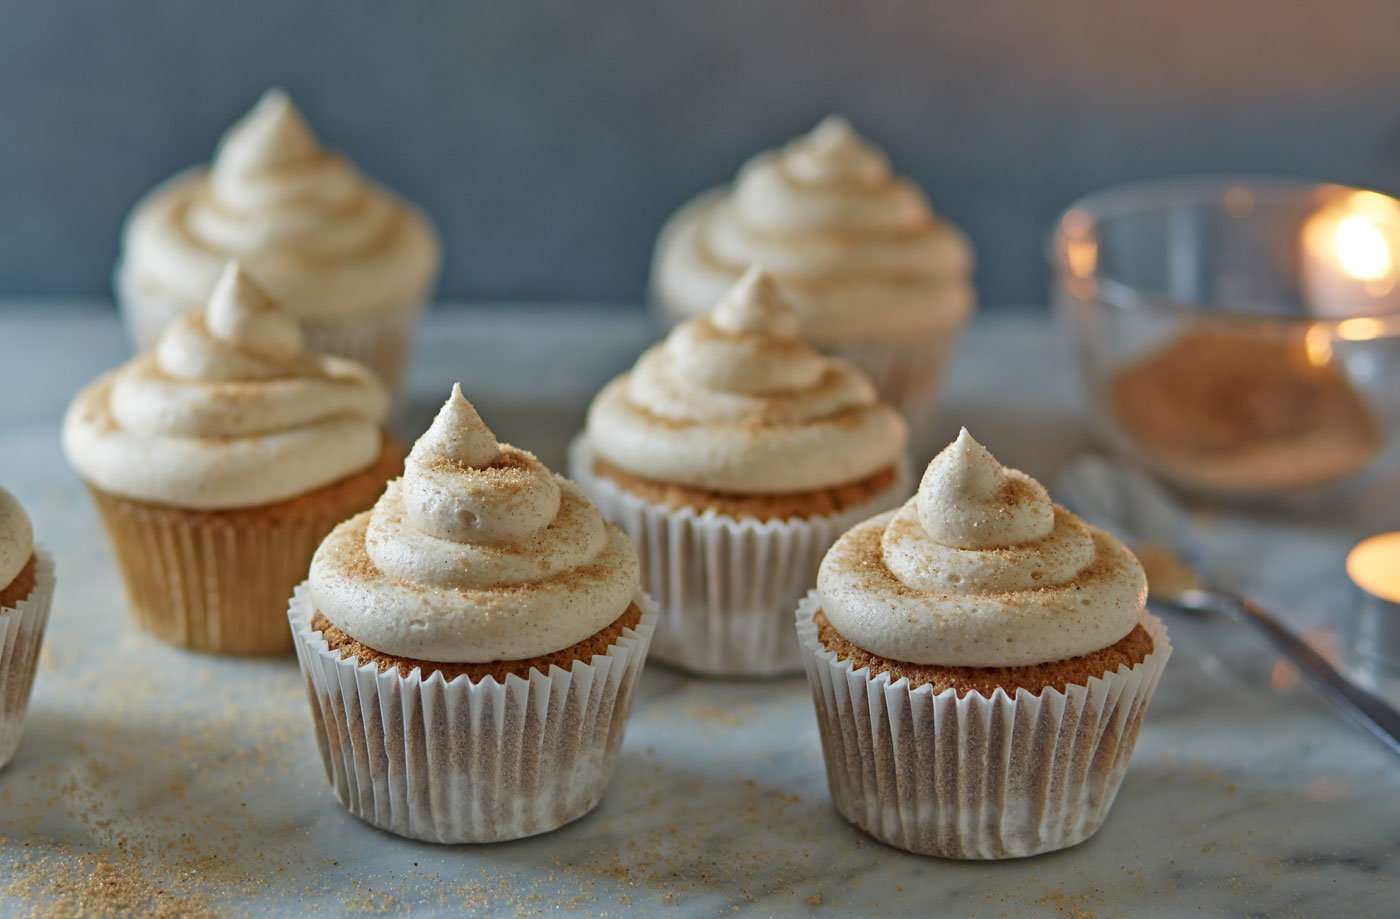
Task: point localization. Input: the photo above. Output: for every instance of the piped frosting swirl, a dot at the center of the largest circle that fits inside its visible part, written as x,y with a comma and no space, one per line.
16,539
980,569
228,411
321,238
479,553
857,247
737,403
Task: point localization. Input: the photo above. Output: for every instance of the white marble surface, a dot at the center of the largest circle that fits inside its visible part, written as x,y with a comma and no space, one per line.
192,784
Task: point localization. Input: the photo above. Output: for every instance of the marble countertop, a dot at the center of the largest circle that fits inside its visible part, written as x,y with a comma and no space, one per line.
191,784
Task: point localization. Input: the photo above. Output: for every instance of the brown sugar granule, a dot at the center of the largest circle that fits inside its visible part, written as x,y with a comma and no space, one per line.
1244,413
597,643
18,590
819,503
1130,650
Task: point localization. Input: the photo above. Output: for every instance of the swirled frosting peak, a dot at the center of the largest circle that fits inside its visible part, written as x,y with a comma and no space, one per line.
227,411
321,238
970,501
980,569
242,315
833,151
755,305
16,539
736,403
857,247
479,553
274,135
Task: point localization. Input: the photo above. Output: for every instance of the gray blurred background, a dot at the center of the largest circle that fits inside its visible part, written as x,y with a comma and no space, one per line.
549,139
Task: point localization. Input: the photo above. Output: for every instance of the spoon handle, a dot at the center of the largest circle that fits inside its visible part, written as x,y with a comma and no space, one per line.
1367,710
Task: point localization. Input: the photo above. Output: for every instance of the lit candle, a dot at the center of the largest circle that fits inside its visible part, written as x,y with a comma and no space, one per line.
1374,566
1351,259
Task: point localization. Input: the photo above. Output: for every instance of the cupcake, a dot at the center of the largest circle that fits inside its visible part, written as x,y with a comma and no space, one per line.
26,593
472,644
980,661
874,275
734,454
219,460
353,262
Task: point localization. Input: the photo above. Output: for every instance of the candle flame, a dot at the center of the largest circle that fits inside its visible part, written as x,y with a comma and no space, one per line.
1374,566
1362,251
1358,235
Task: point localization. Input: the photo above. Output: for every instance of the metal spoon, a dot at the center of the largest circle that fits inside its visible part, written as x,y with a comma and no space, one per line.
1131,504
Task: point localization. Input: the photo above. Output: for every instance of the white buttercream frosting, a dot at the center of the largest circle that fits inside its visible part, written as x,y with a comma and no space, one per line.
322,239
860,251
980,569
479,553
228,411
735,402
16,539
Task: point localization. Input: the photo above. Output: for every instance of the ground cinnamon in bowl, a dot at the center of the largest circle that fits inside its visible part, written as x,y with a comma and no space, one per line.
1242,412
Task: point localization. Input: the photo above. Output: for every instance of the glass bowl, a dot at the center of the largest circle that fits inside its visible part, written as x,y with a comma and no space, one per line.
1239,336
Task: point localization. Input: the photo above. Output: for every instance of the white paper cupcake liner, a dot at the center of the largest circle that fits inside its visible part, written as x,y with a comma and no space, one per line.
380,341
726,587
975,777
454,761
21,637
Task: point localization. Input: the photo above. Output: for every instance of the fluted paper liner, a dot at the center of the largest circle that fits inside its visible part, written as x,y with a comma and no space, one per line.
726,588
21,636
907,368
975,777
457,761
380,340
212,584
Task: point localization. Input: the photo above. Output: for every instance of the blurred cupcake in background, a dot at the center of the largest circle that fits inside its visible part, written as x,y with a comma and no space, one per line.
981,661
734,454
26,595
220,459
482,633
353,262
874,275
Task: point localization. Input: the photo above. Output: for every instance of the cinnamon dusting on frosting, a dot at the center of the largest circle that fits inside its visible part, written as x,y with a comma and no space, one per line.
16,540
228,411
857,247
735,403
324,240
980,569
479,553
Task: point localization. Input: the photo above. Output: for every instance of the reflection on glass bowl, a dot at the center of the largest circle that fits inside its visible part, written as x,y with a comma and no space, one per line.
1239,336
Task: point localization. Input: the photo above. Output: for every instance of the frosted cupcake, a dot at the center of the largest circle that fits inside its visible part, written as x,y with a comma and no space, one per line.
734,454
352,261
472,644
26,594
220,459
981,662
874,275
